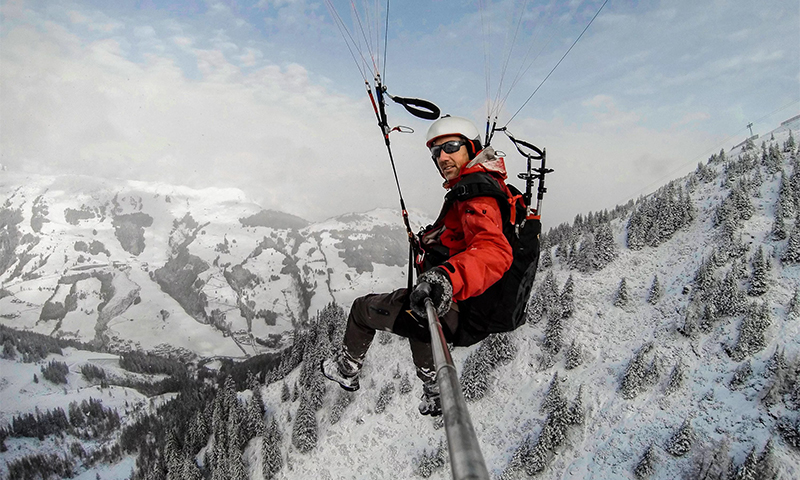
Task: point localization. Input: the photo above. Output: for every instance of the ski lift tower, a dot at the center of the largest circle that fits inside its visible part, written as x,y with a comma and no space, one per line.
750,126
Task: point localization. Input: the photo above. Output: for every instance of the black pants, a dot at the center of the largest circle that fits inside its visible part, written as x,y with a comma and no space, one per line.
390,312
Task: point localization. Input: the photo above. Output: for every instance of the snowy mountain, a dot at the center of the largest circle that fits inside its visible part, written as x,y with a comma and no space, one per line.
663,337
167,268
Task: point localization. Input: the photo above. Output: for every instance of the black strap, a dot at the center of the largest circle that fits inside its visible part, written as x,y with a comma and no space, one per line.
477,184
418,107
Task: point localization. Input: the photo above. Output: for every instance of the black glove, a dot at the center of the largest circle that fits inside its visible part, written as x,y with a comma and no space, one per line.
434,284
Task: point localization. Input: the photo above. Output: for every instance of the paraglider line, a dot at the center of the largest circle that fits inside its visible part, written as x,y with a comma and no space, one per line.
559,62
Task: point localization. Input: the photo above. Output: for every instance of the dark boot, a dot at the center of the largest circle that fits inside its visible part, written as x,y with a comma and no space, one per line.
342,369
431,403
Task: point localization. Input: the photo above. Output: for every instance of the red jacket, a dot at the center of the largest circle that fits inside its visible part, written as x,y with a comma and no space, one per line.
472,232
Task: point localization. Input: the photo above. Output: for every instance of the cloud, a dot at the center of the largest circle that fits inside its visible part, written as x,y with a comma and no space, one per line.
75,107
267,98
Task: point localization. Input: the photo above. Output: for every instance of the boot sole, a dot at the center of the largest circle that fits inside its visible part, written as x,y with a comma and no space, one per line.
344,387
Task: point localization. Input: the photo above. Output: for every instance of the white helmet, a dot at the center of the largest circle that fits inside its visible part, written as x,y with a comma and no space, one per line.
448,125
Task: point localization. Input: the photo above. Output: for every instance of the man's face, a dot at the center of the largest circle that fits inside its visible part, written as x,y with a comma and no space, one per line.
450,163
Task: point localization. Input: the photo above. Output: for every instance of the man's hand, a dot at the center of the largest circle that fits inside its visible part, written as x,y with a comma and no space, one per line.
434,284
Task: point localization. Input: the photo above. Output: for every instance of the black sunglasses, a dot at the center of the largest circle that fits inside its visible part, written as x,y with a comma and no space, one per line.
449,147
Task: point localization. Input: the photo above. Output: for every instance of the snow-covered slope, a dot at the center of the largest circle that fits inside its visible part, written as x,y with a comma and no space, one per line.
590,386
622,416
162,267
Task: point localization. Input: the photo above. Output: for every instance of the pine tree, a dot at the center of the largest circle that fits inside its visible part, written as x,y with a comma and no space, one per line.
751,332
779,226
741,375
606,249
786,197
633,380
385,396
792,253
405,385
681,442
794,304
474,376
172,457
576,412
544,299
704,278
546,260
646,466
552,334
727,298
343,399
270,449
789,144
758,280
285,393
190,470
304,430
554,398
574,357
621,299
567,298
676,378
655,292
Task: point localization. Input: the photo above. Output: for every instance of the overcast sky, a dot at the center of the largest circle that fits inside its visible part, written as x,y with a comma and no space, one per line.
265,96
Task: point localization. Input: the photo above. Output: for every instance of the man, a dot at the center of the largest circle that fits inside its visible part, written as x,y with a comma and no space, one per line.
465,251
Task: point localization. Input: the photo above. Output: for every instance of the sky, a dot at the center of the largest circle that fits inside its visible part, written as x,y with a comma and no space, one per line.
266,95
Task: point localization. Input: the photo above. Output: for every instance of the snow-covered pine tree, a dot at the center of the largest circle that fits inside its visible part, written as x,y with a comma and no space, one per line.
794,304
567,298
704,278
190,470
751,332
172,457
676,378
727,298
553,398
474,376
304,430
498,349
576,412
384,397
646,466
605,247
757,181
343,399
544,299
776,363
405,385
790,431
586,257
271,458
633,380
792,252
430,461
712,462
236,442
741,375
574,356
779,227
786,197
759,277
553,334
285,393
655,292
681,442
254,421
622,298
789,145
546,259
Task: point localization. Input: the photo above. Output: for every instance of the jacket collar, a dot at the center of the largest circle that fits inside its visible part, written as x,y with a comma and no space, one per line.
485,161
